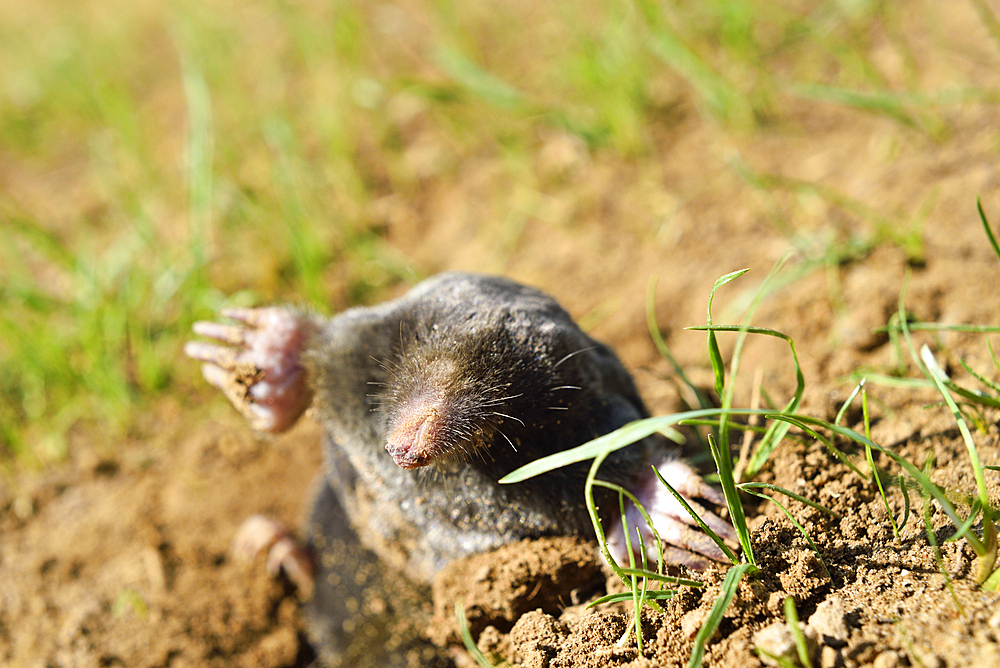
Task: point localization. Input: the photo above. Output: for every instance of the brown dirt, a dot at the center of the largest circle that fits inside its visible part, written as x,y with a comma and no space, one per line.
123,558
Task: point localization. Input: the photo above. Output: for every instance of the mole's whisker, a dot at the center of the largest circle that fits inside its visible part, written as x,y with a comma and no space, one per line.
509,417
514,447
572,354
386,365
496,402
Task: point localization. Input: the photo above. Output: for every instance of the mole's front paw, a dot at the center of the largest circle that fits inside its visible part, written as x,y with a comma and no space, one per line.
685,543
259,368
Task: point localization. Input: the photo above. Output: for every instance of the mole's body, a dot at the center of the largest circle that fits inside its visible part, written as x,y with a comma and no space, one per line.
463,380
428,400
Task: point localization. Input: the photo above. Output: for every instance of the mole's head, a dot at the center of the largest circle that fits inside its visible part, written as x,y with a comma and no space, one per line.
426,417
459,399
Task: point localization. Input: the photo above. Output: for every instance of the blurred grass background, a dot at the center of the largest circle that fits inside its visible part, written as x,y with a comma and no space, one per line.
159,158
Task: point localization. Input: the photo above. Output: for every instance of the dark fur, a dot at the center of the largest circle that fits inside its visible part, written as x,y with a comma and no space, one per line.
524,382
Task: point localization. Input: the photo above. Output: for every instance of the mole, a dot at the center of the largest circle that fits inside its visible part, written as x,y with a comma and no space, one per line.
425,402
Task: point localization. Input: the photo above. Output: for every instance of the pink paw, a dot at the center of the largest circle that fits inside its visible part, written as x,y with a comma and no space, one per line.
259,368
285,554
684,542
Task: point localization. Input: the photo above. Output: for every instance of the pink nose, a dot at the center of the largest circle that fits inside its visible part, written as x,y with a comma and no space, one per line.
416,440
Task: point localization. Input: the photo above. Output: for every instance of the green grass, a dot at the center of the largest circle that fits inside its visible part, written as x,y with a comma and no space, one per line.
470,644
719,420
719,423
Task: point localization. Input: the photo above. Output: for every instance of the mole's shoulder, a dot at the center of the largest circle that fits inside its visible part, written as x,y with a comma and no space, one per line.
459,282
483,294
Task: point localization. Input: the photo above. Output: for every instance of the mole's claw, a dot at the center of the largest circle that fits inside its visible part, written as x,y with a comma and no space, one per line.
249,316
257,533
219,356
695,562
687,482
720,526
705,491
233,335
285,554
216,376
701,543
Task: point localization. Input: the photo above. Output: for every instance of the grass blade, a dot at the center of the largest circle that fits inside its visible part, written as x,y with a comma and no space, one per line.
713,345
988,20
932,539
623,437
776,431
729,586
928,365
792,617
661,345
672,579
477,81
722,98
470,644
724,464
801,529
887,103
748,486
199,165
986,227
654,595
603,445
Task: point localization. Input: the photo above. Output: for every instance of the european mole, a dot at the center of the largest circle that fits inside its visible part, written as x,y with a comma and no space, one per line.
429,399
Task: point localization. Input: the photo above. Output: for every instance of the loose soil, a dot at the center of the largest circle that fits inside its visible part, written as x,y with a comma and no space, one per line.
121,556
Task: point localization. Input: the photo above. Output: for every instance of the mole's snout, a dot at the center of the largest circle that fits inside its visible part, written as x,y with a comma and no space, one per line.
417,434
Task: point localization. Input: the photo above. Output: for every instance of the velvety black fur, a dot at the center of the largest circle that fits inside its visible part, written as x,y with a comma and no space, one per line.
524,382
